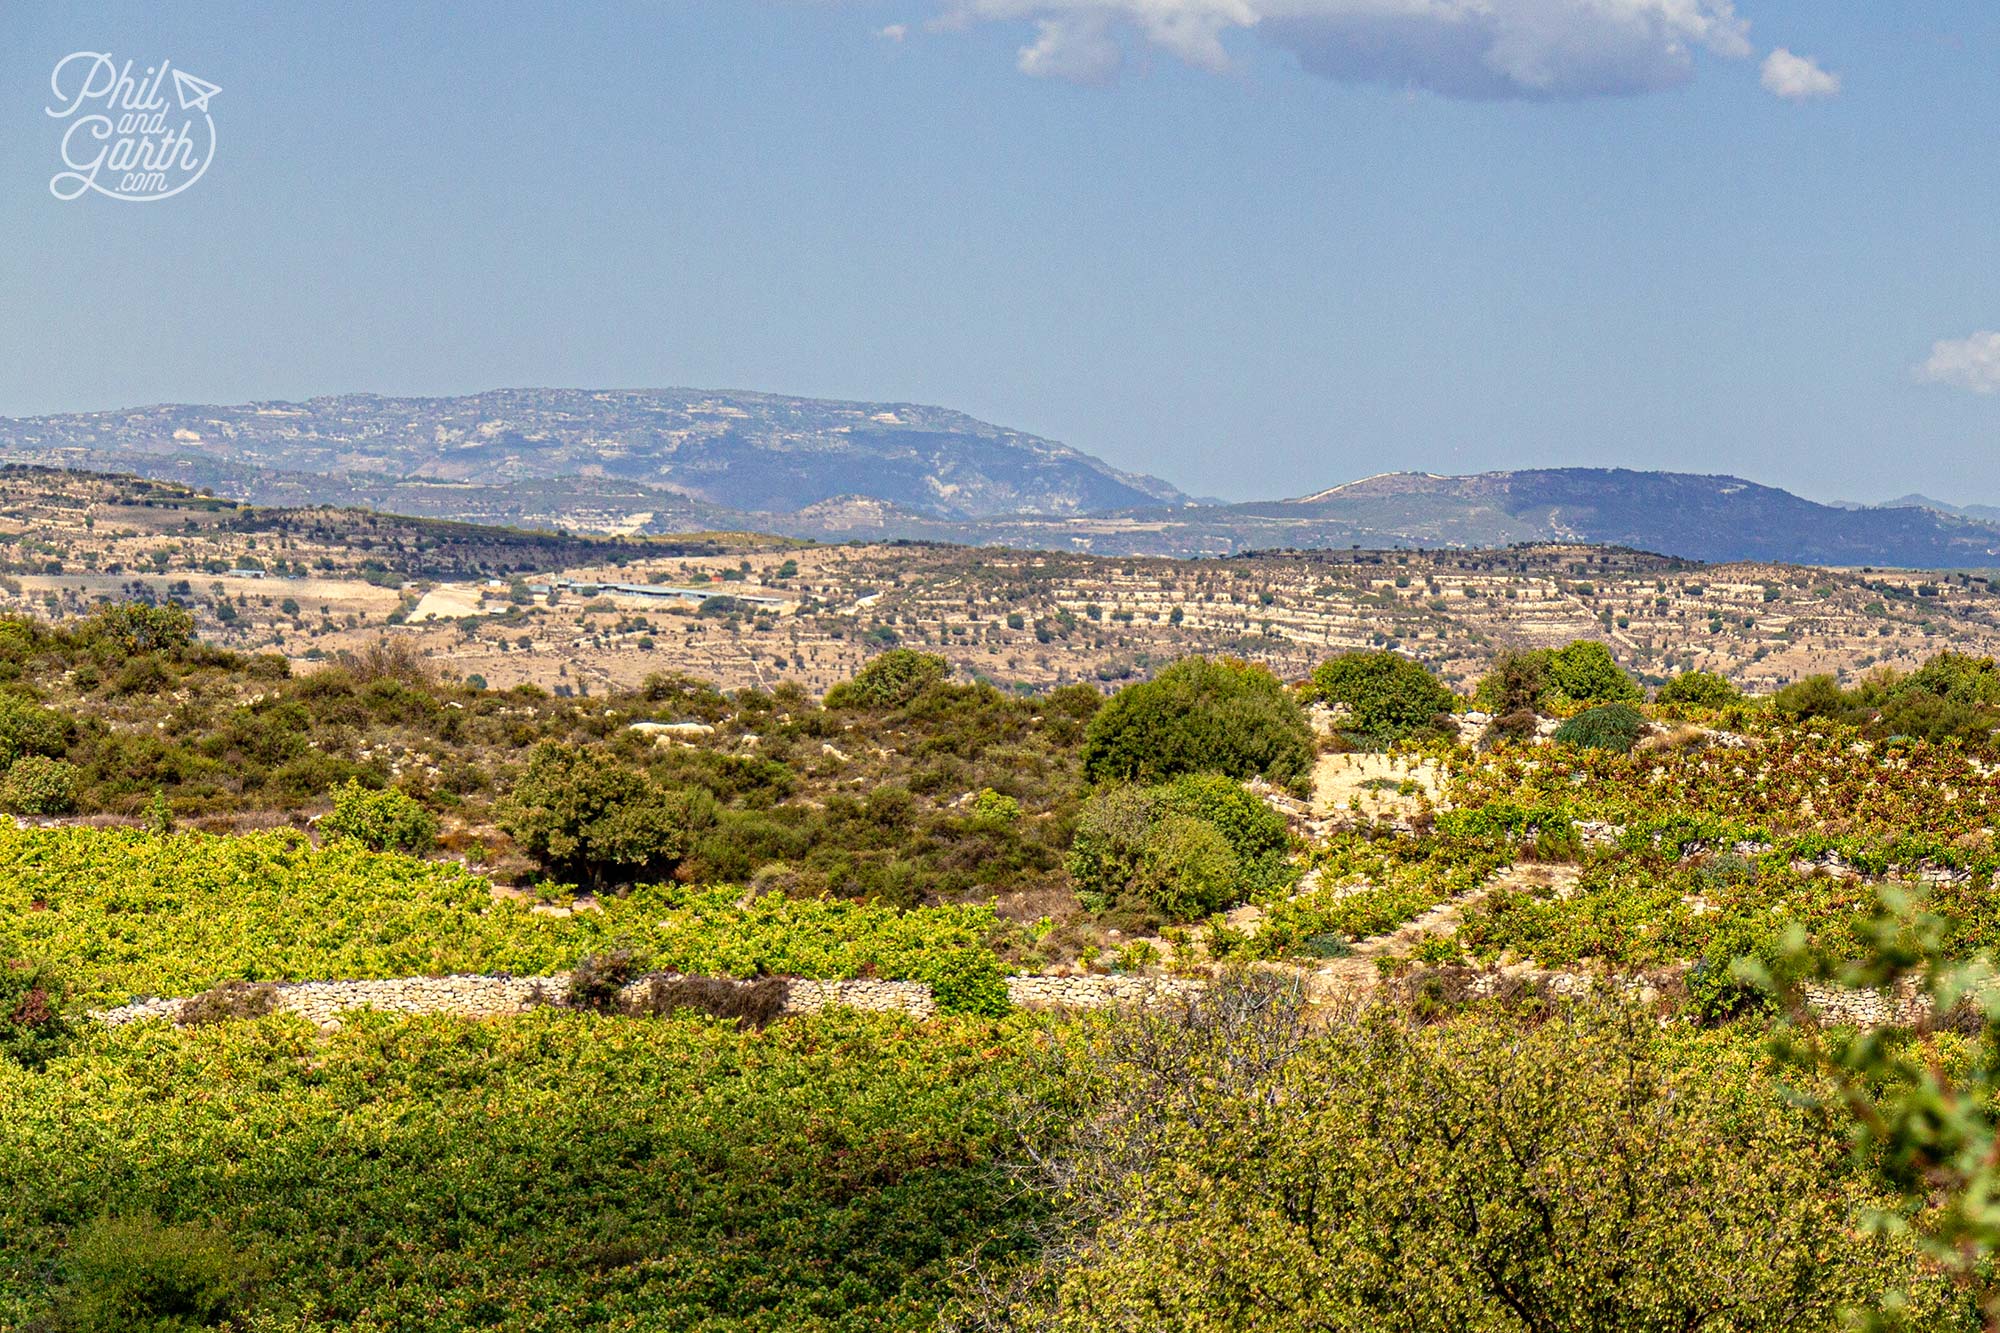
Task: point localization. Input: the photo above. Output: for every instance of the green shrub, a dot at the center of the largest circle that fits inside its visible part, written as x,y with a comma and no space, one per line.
1254,830
1389,697
1700,689
592,819
1201,716
135,628
890,680
38,785
1959,677
1813,697
1184,848
27,728
1926,717
382,821
1189,869
1110,840
992,807
34,1027
1584,672
139,1275
1611,727
1400,1174
966,981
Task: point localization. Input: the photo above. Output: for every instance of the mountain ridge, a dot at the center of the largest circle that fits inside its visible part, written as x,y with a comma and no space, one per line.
682,460
734,450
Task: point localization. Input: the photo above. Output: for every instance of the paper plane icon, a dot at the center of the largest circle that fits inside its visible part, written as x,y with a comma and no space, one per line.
194,93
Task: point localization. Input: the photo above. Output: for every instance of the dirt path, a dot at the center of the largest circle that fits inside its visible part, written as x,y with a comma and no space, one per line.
1353,977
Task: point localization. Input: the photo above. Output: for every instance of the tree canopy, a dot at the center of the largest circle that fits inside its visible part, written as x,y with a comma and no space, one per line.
1201,715
1389,697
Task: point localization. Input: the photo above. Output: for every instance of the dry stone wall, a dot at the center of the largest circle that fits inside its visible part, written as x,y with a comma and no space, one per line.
323,1002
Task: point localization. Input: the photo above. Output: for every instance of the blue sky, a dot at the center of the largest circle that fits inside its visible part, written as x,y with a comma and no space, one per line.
1254,246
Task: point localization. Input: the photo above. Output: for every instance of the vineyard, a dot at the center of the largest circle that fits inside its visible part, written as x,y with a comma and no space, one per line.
554,1172
1565,911
134,914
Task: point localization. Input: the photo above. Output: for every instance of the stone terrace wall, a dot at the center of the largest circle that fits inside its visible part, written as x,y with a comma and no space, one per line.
322,1002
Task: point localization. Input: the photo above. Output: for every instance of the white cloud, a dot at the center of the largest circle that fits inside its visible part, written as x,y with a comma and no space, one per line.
1076,47
894,32
1797,78
1534,49
1965,363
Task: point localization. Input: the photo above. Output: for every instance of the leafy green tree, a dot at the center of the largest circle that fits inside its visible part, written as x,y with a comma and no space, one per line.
1584,672
890,680
1201,715
1610,727
1700,689
599,822
1389,697
135,627
383,821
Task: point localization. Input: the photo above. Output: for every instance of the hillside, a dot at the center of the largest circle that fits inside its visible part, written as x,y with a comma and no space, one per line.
1709,518
592,615
653,450
683,460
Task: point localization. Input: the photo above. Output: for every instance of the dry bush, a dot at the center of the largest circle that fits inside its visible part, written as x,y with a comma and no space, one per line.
1684,737
597,978
1439,994
389,658
230,1000
753,1004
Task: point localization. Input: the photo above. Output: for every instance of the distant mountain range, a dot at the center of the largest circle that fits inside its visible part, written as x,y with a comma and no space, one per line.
688,460
742,452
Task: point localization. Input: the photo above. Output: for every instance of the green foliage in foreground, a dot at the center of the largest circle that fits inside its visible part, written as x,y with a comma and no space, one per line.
1930,1127
1201,716
550,1173
1224,1166
128,913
